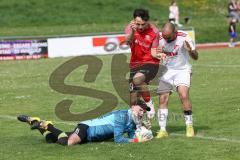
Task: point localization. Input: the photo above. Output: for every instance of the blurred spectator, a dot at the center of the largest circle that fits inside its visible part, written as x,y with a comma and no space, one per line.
232,32
233,10
174,14
238,7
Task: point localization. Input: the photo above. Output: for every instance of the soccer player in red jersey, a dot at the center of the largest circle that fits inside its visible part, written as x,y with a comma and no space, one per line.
143,38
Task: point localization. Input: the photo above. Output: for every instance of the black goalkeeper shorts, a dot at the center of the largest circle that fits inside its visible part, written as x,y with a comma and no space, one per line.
81,131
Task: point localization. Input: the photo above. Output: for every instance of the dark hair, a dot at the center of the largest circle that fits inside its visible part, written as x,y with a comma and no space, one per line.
143,13
143,105
173,2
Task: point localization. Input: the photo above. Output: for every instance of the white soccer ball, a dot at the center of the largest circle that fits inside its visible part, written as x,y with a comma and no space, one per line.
143,133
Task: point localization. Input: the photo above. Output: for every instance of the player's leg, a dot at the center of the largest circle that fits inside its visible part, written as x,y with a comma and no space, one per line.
33,122
66,138
183,92
182,81
164,91
141,85
133,88
60,136
231,42
73,139
137,84
141,82
235,38
135,81
145,93
79,135
29,120
139,79
163,114
150,71
134,95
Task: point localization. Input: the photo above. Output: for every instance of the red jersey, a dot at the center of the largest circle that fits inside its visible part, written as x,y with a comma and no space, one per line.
142,44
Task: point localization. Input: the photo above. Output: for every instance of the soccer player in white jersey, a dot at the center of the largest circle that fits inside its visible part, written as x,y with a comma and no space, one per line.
174,50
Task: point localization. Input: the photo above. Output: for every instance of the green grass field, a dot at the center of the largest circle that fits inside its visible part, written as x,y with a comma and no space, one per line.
215,95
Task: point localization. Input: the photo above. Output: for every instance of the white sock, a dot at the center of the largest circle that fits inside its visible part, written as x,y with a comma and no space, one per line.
188,119
162,118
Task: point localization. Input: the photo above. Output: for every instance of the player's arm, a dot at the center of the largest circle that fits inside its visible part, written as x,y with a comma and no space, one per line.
119,124
192,52
158,53
190,47
156,50
129,31
131,134
155,47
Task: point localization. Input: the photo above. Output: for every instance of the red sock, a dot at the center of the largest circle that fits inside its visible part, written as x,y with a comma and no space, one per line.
146,96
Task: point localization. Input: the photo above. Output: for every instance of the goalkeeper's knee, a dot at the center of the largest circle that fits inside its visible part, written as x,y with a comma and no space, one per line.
49,137
63,139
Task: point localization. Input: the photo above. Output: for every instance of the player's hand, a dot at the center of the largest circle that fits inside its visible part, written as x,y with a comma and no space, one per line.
133,25
143,134
145,138
161,56
187,46
159,49
159,53
192,53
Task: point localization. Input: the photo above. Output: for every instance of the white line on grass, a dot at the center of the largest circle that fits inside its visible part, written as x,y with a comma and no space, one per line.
223,139
56,122
209,138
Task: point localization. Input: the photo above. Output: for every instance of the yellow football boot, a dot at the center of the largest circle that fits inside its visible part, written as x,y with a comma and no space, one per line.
189,131
162,134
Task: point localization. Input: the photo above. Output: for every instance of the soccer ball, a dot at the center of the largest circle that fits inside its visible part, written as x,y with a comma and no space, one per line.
143,133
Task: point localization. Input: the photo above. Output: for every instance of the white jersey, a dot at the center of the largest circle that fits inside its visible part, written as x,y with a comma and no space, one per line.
177,55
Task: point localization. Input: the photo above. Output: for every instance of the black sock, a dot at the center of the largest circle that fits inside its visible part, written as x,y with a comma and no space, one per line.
188,112
56,132
49,137
41,130
60,136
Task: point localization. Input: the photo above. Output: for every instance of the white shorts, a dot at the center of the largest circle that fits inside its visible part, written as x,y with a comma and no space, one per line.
174,78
